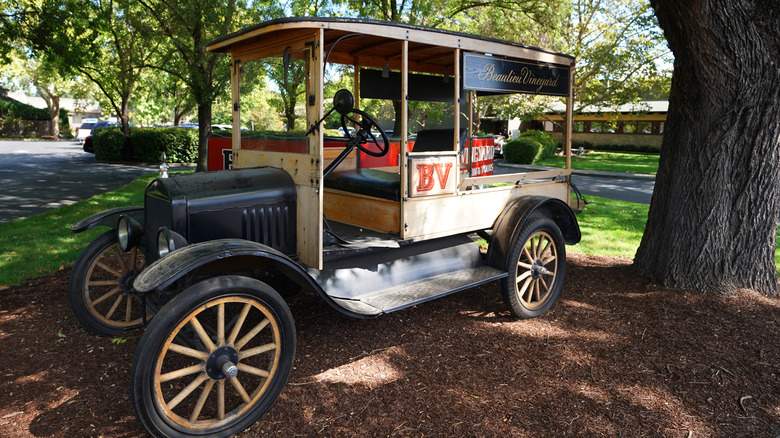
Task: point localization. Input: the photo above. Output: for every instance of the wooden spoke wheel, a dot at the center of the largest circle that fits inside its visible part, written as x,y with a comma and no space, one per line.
214,359
536,268
100,286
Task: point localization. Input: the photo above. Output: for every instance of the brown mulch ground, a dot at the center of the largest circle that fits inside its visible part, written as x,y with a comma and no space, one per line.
618,356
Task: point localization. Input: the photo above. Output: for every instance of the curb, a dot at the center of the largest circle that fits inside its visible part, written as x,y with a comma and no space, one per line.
594,173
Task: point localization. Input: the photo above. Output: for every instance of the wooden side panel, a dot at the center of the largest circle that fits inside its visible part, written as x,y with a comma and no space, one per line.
362,211
330,154
428,218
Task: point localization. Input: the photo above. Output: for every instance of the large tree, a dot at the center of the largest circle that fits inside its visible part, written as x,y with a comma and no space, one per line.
713,215
187,27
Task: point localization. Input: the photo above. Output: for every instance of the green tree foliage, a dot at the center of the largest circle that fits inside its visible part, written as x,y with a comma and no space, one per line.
290,80
187,27
41,77
619,49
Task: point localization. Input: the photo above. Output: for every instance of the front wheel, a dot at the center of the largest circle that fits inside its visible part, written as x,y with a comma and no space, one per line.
537,268
100,287
214,359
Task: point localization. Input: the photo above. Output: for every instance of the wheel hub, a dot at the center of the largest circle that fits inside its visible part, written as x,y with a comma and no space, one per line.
537,270
222,363
127,281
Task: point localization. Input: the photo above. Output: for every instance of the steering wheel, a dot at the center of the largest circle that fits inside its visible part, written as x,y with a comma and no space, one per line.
364,134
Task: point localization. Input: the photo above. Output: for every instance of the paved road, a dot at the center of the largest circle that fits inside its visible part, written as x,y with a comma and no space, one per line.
612,188
36,176
623,189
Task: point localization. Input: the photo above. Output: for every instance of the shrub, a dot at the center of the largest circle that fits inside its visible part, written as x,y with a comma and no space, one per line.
108,144
549,144
523,150
625,148
179,144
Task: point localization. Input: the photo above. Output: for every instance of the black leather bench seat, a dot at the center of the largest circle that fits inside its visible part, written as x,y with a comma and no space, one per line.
369,182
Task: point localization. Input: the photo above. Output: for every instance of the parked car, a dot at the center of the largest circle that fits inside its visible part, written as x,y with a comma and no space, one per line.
350,129
84,130
88,145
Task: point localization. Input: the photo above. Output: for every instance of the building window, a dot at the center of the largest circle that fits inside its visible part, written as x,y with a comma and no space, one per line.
595,127
579,126
644,128
629,127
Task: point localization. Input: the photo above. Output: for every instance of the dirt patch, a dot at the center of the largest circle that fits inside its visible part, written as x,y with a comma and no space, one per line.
618,356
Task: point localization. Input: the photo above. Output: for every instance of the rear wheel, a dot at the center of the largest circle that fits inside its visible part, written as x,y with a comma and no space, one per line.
100,286
537,268
214,359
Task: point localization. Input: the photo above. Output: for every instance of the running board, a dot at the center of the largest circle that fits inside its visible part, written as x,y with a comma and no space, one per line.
411,294
389,279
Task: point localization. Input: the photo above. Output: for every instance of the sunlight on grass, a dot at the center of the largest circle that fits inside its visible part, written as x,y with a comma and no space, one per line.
609,161
610,227
42,244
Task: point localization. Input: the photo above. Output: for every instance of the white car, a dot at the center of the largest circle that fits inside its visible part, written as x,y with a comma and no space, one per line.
85,129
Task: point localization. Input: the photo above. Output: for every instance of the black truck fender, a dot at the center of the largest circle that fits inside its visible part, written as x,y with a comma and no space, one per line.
243,254
516,213
108,218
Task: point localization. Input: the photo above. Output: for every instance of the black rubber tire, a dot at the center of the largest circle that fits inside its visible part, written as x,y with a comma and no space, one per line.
155,356
531,292
102,261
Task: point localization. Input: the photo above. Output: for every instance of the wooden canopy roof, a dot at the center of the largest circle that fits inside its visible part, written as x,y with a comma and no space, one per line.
374,43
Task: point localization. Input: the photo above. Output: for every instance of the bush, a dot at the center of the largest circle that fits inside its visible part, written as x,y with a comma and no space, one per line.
179,144
108,144
523,150
549,144
625,148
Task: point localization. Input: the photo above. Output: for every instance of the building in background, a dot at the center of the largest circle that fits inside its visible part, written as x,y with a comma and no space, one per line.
77,109
639,124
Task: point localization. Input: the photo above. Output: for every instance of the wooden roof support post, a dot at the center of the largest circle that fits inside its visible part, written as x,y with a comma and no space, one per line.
472,97
309,202
404,164
567,133
357,83
235,86
457,101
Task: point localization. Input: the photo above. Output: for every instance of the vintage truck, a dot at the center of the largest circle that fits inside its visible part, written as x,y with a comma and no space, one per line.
371,223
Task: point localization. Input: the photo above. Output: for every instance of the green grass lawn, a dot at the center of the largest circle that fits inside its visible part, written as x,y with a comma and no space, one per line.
609,161
42,244
610,228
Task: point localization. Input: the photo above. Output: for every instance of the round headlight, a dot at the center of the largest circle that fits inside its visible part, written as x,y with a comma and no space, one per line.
129,232
163,247
168,241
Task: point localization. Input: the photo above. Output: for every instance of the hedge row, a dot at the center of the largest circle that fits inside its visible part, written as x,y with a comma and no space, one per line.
532,146
615,147
146,144
13,110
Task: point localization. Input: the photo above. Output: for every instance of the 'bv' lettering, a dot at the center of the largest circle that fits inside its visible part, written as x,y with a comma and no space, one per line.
425,182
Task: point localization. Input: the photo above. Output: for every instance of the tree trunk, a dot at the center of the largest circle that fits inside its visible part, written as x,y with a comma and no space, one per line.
124,118
714,212
397,125
204,128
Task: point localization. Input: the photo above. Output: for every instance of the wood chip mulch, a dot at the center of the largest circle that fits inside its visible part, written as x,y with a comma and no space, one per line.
618,356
